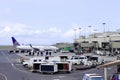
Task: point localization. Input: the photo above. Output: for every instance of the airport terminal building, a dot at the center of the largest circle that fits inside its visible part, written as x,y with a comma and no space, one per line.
99,41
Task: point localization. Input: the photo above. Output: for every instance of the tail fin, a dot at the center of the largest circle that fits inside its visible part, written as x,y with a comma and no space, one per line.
30,45
15,43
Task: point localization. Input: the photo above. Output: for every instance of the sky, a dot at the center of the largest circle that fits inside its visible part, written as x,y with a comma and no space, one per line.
47,22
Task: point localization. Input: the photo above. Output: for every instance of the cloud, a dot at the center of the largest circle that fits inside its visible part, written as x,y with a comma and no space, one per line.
19,29
51,33
29,34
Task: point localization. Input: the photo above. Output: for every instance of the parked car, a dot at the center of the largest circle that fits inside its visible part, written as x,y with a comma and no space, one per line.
92,76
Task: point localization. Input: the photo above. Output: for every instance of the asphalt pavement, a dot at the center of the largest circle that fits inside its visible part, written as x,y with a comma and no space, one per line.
10,69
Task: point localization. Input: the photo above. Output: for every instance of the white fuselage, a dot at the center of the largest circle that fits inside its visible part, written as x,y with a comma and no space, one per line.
24,47
41,48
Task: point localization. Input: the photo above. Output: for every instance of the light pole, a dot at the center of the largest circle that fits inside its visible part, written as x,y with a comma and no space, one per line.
104,35
80,34
90,33
96,43
104,31
104,26
95,32
75,34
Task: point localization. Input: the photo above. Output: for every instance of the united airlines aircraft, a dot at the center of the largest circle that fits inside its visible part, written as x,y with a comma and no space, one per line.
30,47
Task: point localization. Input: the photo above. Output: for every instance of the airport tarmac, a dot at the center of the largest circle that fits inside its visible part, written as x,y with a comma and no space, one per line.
106,58
10,69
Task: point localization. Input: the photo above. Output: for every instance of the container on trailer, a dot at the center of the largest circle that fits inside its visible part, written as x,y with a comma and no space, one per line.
36,66
48,68
64,66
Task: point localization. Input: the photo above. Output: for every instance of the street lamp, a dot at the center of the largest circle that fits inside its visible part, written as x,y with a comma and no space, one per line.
75,34
80,30
104,30
90,33
95,43
104,26
95,32
80,34
104,35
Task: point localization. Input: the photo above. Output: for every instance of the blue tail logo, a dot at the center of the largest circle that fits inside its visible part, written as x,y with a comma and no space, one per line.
15,43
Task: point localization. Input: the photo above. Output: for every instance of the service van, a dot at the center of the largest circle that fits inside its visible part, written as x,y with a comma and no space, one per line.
29,63
94,60
79,59
92,76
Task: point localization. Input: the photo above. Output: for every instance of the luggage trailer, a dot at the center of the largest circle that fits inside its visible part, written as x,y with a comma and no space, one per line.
52,67
48,68
37,66
64,67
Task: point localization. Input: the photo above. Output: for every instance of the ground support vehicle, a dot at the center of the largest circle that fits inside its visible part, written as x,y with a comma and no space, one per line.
64,66
48,68
92,76
78,59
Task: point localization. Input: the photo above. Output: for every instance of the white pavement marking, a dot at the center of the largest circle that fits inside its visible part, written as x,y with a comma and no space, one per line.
4,76
56,79
61,76
13,64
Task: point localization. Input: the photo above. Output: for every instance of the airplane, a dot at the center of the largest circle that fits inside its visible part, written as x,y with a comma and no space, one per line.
30,47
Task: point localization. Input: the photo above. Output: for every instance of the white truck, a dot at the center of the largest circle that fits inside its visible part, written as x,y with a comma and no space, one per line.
94,60
79,59
29,63
92,76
